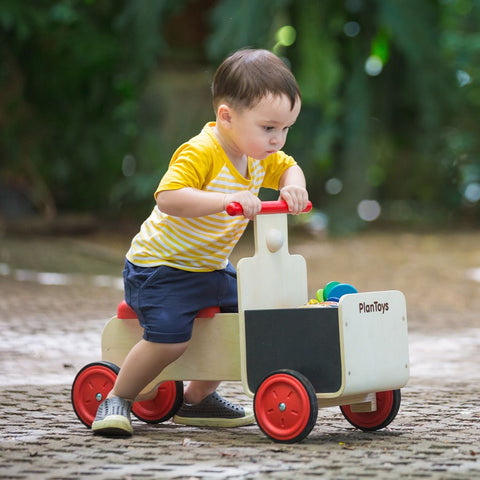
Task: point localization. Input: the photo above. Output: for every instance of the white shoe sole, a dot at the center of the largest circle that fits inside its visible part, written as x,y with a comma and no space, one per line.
115,425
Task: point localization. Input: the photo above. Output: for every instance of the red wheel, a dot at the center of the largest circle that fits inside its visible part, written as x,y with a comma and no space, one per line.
90,387
388,404
286,406
163,406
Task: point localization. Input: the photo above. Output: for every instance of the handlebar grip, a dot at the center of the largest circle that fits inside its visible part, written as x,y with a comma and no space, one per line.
274,206
234,209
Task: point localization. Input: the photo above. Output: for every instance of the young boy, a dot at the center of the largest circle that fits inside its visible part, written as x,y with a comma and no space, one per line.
185,243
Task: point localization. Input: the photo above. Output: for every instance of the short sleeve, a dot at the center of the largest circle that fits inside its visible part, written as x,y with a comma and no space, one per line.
275,166
189,167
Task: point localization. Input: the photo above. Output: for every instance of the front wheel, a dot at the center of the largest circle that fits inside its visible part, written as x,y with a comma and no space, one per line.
90,387
286,406
388,404
163,406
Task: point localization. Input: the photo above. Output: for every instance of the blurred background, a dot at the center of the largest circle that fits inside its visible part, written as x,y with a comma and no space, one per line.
95,96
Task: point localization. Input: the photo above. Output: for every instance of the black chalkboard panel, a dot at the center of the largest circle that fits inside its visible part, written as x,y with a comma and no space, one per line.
301,339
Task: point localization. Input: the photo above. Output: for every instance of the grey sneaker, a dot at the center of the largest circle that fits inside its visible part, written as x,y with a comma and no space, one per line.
113,418
214,411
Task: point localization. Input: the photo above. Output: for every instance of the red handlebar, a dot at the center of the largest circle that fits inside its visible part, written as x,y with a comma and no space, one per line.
275,206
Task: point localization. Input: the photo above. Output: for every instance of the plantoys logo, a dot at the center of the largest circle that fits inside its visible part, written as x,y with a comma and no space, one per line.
374,307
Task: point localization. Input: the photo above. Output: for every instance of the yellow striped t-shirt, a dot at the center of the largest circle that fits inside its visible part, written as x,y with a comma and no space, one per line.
202,244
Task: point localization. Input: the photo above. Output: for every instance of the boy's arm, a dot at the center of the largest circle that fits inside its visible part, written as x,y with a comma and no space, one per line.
293,189
191,202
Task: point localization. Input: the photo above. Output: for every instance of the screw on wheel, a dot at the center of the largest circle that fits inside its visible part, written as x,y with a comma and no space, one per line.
388,404
286,406
90,387
166,403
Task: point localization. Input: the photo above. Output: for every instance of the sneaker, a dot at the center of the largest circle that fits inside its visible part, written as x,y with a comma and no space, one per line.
214,411
113,418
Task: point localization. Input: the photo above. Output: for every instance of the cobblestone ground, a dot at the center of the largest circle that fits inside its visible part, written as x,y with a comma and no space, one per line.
48,331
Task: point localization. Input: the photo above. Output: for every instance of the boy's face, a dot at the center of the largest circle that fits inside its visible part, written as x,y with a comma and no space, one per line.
262,130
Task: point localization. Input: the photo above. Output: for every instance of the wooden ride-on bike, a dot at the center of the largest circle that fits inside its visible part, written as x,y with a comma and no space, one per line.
291,357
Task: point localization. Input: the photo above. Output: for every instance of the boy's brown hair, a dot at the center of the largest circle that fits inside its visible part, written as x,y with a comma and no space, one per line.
248,75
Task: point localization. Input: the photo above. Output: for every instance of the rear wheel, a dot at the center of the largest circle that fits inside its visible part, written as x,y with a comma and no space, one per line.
388,404
286,406
90,387
163,406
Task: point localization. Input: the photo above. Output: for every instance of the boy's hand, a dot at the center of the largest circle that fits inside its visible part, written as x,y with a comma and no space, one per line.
250,203
296,198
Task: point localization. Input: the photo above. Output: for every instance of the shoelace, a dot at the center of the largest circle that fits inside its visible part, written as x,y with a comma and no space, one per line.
117,407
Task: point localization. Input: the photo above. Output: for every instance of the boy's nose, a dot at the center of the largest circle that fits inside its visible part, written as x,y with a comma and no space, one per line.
278,141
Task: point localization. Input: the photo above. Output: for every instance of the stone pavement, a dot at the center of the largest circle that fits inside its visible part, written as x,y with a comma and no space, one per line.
434,436
47,332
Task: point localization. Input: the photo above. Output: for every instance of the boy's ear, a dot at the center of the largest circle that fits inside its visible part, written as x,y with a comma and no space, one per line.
224,115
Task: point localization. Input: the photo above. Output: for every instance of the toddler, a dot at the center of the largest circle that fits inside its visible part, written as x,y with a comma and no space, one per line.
185,243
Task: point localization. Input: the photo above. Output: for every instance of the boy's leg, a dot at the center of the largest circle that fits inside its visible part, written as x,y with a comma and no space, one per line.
143,364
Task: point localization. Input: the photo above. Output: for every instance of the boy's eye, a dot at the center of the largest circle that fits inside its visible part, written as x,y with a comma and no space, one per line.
271,129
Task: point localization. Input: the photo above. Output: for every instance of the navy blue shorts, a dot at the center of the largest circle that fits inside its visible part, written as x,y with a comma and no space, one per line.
167,300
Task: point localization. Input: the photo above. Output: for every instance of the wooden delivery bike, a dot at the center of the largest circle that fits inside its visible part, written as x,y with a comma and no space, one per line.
291,357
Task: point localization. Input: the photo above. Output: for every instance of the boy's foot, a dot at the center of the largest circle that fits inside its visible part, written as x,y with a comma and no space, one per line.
113,418
214,411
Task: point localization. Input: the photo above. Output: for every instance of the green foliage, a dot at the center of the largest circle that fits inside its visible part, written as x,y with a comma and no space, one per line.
460,154
74,71
96,95
242,23
385,133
